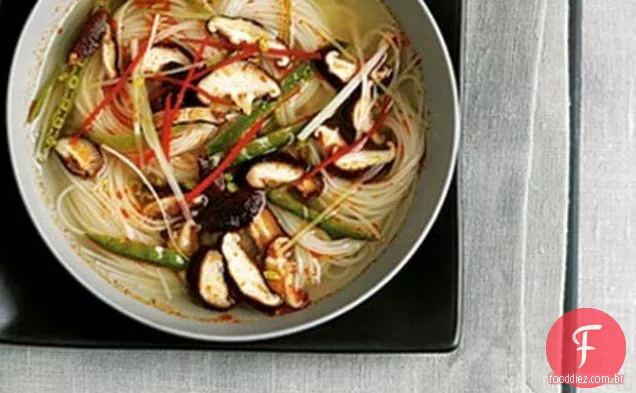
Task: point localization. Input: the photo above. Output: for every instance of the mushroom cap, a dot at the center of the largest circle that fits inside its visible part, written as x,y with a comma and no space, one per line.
207,280
81,157
364,159
283,274
233,211
244,31
341,68
242,81
160,56
272,174
246,275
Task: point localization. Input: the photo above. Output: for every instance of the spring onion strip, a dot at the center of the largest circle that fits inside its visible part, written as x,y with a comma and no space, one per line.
343,95
153,36
142,105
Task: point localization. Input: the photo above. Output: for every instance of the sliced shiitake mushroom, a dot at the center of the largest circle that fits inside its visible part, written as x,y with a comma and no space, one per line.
197,114
355,115
171,206
283,275
273,174
233,211
207,281
342,68
109,53
243,82
338,70
246,274
187,239
91,35
161,57
329,138
243,31
264,230
81,157
362,115
364,159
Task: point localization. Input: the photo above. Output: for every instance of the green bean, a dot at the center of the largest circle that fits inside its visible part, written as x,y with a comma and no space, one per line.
231,134
48,136
155,255
334,226
45,92
269,144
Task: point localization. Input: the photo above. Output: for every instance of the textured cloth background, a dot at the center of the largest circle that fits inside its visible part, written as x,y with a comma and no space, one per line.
607,248
513,180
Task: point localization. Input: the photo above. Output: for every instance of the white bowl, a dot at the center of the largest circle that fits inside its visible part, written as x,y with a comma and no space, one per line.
28,66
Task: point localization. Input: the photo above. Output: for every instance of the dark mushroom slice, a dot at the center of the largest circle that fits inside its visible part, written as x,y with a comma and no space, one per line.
362,115
329,138
246,275
243,31
207,281
283,275
162,57
233,211
171,206
360,160
273,174
109,53
243,82
334,68
264,230
91,35
340,67
81,157
355,114
198,114
187,239
337,67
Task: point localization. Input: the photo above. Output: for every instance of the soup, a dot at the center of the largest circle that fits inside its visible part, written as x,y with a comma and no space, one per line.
233,154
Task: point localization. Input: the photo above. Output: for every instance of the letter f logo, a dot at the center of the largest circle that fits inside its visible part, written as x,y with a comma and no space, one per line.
583,344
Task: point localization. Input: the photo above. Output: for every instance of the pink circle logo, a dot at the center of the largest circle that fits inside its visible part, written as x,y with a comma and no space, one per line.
586,348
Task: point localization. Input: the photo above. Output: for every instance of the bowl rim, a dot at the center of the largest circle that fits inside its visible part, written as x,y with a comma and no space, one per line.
243,338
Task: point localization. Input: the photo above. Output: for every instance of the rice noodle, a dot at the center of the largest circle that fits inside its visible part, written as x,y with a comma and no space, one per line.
378,199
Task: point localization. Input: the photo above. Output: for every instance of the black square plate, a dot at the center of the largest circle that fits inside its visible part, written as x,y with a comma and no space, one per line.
417,312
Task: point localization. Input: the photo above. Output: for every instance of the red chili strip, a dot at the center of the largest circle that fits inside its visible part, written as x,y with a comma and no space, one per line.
166,129
189,78
218,171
